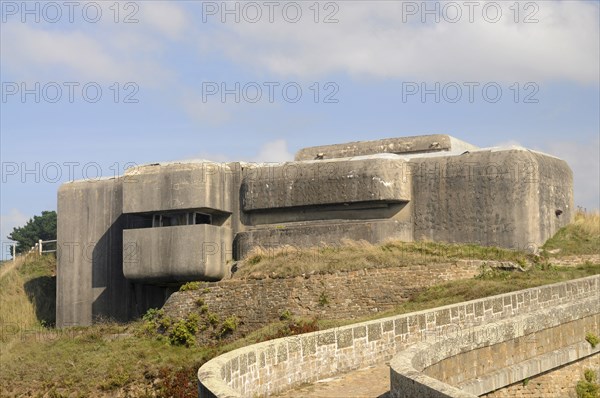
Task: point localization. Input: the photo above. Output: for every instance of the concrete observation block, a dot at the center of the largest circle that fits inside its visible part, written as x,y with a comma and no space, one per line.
127,242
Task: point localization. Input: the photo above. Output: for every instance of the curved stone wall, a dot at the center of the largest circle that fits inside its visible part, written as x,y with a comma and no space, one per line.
271,367
478,362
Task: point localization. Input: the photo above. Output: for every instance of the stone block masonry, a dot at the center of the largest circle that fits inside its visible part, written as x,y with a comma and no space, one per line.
557,383
274,366
345,295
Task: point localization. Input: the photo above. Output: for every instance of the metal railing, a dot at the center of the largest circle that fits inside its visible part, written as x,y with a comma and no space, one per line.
38,248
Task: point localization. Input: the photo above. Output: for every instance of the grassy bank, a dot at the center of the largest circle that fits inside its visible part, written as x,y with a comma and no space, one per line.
109,360
113,360
286,262
28,293
488,283
580,237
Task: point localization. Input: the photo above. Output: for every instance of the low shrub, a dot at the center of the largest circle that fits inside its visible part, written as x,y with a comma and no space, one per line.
189,286
592,339
588,387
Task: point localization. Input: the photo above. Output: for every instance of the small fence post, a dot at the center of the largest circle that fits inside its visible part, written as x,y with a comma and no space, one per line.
14,251
40,247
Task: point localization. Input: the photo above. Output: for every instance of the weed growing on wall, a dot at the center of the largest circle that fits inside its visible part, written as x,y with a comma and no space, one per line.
592,339
229,325
285,315
323,299
588,387
184,331
189,286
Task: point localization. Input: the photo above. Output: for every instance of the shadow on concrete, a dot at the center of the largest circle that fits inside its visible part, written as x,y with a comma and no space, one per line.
115,298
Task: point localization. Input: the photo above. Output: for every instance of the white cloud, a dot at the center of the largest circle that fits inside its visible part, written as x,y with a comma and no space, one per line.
102,52
274,151
164,17
14,218
509,143
27,50
371,40
206,112
270,152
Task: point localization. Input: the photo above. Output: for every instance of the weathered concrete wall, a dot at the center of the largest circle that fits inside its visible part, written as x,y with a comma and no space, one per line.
401,145
507,198
557,383
271,367
177,254
434,191
188,185
347,294
317,234
90,279
90,282
334,182
308,204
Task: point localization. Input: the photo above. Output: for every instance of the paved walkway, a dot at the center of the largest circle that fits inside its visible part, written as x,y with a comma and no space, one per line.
372,382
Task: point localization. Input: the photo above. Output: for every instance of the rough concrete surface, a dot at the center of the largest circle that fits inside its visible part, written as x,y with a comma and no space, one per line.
141,235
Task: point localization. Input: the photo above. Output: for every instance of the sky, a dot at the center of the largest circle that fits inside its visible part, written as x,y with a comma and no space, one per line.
92,88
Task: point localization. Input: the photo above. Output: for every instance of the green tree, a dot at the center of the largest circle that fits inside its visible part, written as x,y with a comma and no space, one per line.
39,227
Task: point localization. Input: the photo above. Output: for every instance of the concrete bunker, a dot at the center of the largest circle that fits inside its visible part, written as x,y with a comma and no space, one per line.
161,225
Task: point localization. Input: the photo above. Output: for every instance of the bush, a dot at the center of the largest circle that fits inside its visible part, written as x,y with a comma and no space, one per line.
189,286
212,318
588,387
229,325
180,334
191,322
285,315
152,314
156,322
592,339
323,299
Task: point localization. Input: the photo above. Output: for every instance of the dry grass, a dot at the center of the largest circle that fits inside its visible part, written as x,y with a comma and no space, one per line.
582,236
16,309
289,261
27,299
104,360
107,360
39,360
588,222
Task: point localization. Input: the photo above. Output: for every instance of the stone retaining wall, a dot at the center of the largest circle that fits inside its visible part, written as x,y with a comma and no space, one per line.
476,370
497,354
344,295
557,383
478,362
268,368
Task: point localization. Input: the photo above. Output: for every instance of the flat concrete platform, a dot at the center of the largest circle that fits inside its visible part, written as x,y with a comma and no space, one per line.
372,382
